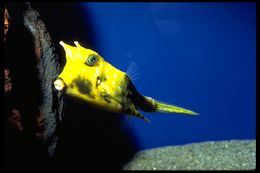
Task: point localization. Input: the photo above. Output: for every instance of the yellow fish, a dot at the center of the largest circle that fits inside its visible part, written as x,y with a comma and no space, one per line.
89,78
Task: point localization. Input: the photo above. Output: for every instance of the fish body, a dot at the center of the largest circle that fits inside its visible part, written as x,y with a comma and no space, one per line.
89,78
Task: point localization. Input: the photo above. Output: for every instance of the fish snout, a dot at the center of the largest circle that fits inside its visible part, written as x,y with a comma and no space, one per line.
59,84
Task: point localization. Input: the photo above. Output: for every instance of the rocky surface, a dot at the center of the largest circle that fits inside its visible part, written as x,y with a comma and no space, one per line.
217,155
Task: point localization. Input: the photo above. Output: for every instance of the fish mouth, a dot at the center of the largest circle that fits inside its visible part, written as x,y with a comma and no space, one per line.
59,84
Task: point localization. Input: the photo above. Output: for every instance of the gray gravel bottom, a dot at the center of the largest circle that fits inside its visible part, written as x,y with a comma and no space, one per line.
218,155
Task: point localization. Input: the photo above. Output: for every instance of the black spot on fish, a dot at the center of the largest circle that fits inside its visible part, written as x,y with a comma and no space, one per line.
128,108
72,85
84,86
107,98
98,81
103,78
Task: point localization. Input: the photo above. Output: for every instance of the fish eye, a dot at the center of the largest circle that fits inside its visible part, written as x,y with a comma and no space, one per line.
91,60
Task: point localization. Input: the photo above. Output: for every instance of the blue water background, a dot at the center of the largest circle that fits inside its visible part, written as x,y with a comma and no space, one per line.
201,56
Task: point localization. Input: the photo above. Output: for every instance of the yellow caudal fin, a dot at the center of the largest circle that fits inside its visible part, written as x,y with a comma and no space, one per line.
168,108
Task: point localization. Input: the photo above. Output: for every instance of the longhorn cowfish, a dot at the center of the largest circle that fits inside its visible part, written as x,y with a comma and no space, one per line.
89,78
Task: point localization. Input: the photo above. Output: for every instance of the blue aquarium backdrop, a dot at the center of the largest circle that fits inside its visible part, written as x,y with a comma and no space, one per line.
200,56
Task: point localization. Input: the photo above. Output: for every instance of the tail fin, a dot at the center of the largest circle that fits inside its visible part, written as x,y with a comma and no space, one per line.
168,108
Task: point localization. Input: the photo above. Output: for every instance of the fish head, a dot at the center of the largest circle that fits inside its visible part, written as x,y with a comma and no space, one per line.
87,77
